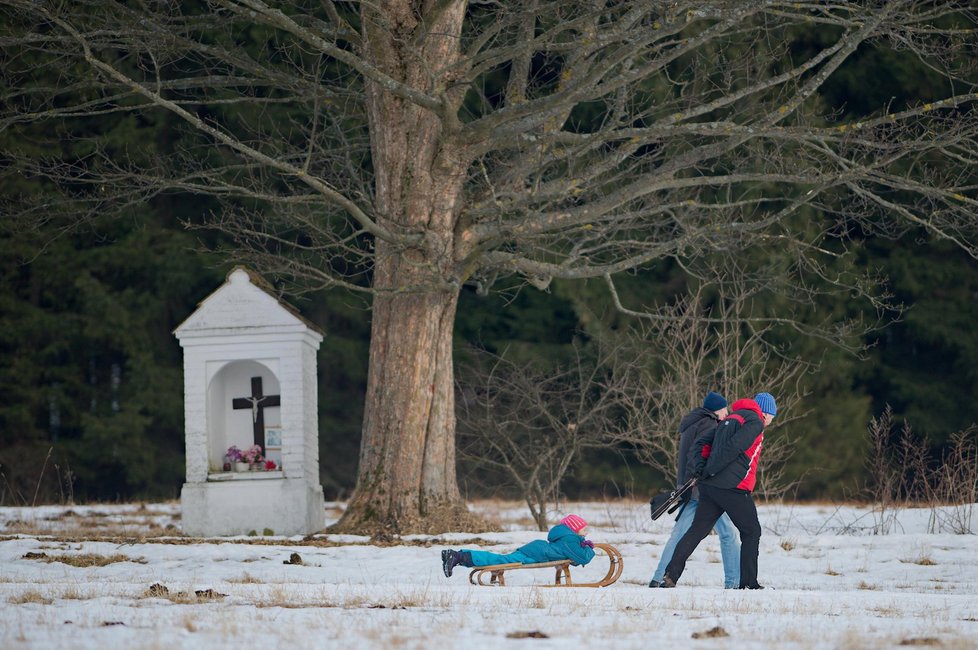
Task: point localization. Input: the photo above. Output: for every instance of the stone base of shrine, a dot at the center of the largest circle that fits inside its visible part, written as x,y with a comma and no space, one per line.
221,508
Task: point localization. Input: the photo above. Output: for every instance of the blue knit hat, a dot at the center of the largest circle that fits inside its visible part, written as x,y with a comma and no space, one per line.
714,401
767,403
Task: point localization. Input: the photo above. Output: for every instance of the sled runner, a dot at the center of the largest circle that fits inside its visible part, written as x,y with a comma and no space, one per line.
670,501
494,574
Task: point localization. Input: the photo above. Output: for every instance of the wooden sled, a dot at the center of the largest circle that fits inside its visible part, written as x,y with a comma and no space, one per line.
494,574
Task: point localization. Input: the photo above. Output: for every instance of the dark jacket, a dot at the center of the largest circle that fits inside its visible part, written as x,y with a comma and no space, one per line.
561,544
697,423
728,455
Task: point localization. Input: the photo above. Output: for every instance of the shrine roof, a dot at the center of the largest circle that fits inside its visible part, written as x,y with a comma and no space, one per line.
245,300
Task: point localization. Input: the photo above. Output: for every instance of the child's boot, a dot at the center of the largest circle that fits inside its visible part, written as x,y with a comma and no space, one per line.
449,560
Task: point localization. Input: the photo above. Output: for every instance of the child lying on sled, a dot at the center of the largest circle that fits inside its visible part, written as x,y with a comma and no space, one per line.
565,541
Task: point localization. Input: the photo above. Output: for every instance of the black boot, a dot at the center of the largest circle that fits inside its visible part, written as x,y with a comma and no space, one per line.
449,560
667,582
753,586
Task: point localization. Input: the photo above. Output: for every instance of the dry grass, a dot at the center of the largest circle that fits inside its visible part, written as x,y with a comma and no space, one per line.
287,598
800,638
959,643
853,640
419,598
867,586
787,544
920,555
69,527
886,612
535,600
246,579
140,522
83,559
922,560
633,581
19,527
30,596
277,596
289,604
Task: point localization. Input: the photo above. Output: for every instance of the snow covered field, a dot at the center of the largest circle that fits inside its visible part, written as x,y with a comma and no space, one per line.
122,576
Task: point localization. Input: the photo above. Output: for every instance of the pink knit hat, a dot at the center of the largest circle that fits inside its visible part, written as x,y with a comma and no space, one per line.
574,522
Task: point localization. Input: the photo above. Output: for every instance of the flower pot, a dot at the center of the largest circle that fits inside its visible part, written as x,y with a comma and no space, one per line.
240,467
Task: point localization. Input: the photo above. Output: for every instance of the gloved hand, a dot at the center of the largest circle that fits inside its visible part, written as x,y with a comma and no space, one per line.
588,543
698,470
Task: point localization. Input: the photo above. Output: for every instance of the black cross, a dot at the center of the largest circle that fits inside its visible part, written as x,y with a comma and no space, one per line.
257,403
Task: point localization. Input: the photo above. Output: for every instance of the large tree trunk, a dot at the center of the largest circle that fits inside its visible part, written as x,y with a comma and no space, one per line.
406,479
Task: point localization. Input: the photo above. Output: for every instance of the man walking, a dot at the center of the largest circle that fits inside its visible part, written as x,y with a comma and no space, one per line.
726,466
696,423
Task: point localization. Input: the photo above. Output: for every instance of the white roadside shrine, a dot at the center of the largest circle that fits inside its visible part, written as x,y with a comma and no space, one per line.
249,364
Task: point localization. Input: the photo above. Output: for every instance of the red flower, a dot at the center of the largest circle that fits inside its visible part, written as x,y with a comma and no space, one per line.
269,465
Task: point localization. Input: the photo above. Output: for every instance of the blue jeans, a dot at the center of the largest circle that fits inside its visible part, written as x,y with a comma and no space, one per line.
729,546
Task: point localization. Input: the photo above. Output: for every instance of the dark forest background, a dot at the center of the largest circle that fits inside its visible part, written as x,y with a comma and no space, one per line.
91,377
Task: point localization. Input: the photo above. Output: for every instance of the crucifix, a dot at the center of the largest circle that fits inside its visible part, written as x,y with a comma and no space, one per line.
257,403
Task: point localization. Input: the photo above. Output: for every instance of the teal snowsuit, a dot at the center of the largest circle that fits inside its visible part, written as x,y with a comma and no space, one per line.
561,544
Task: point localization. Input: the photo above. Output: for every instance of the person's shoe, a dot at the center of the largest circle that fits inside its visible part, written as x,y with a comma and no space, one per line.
449,560
654,584
753,586
667,582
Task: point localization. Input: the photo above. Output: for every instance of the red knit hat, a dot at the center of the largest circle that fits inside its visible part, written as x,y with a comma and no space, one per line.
574,522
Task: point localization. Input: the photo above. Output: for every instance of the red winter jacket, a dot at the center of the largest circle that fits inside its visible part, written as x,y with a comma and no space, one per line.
731,451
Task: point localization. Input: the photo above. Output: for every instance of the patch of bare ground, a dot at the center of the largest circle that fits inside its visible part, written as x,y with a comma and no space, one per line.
318,541
448,517
921,641
713,633
83,559
156,590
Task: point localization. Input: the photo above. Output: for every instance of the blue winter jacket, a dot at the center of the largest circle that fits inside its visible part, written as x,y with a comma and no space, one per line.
561,544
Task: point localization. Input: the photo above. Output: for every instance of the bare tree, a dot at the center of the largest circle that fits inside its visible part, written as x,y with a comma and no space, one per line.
902,472
529,423
709,349
956,483
411,147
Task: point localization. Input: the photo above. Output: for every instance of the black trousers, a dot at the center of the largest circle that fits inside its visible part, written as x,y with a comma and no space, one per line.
714,502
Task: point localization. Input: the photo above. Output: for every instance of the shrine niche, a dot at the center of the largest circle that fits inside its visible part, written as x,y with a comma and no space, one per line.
242,421
250,388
